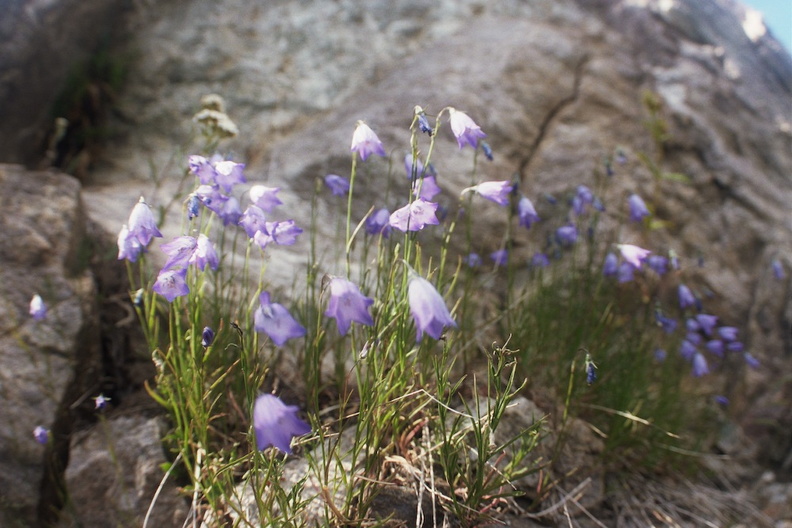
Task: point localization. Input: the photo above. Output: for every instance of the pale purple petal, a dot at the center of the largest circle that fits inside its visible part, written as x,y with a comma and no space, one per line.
275,423
275,320
348,304
265,197
427,308
465,130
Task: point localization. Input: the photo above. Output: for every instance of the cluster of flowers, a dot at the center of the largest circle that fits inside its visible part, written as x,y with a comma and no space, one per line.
702,333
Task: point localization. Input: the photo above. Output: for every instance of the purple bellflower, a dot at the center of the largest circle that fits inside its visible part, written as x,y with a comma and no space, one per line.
347,304
487,150
707,323
700,367
686,298
465,130
728,333
265,197
500,257
610,268
426,188
207,337
414,216
284,233
100,402
253,220
193,206
378,223
211,197
229,174
41,434
231,212
715,347
275,320
473,260
203,169
566,235
338,185
625,273
365,142
526,212
204,254
179,251
38,310
129,246
495,191
735,346
750,360
582,199
427,307
276,423
638,209
172,283
540,260
423,122
668,324
141,223
687,349
658,264
633,254
778,269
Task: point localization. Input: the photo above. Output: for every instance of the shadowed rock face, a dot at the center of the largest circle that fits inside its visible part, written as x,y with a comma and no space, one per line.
557,85
45,47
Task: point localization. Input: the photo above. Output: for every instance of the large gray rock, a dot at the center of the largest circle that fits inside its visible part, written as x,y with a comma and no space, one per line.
42,250
114,474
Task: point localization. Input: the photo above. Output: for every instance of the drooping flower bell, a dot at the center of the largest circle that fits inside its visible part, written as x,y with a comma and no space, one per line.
526,212
423,122
129,246
610,268
465,130
347,304
338,185
378,223
100,402
276,423
207,337
141,223
473,260
38,310
365,142
638,209
415,216
265,197
229,173
426,187
427,307
495,191
172,283
633,254
275,320
686,298
41,434
500,257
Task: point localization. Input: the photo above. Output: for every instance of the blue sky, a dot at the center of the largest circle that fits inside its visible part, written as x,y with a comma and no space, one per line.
778,18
